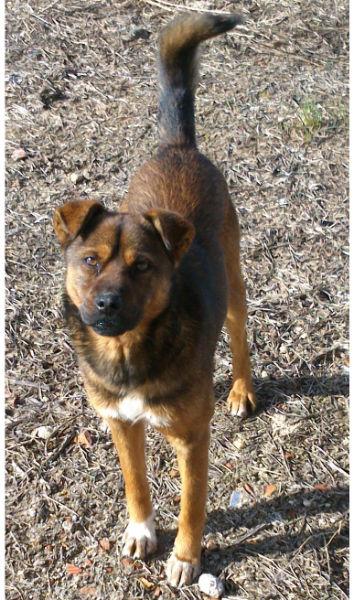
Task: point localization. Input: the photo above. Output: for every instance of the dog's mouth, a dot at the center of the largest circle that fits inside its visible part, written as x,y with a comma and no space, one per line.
109,328
109,325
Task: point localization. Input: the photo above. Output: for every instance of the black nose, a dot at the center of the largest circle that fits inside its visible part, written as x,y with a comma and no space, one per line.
108,301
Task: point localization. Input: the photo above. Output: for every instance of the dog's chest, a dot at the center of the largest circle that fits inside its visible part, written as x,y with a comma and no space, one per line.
132,408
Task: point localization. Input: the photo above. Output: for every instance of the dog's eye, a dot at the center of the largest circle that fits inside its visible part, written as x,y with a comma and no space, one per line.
142,265
91,261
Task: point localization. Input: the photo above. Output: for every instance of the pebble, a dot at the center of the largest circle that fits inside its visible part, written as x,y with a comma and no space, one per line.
211,585
43,432
282,202
236,498
19,154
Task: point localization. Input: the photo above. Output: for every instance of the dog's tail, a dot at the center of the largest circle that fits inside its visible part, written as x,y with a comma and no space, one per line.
178,70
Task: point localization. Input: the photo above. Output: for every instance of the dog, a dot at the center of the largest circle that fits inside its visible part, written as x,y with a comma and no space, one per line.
148,288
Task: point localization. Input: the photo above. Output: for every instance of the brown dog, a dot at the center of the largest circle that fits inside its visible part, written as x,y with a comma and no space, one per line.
148,290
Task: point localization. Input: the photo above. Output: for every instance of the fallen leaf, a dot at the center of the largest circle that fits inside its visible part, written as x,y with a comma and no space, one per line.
270,489
157,592
249,489
148,585
73,569
87,591
173,473
105,544
84,438
88,562
128,563
230,465
322,487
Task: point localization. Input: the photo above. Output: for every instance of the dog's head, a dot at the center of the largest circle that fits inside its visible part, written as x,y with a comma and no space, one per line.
120,265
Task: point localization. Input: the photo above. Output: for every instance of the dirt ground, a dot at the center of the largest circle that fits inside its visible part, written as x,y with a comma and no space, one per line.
272,113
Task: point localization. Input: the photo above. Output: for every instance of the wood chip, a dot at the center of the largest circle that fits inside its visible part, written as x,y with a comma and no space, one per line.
270,489
73,569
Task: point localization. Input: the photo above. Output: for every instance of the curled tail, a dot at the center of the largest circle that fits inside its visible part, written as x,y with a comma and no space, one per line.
178,70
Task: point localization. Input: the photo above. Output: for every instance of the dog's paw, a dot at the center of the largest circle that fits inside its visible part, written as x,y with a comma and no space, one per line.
139,539
181,572
242,400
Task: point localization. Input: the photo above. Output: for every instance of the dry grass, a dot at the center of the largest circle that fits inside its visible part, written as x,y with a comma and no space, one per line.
272,113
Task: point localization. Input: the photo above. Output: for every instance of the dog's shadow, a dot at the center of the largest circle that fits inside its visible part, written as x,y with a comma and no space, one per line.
288,512
264,518
273,391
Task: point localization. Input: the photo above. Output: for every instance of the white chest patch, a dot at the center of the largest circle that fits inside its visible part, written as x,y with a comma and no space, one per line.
132,408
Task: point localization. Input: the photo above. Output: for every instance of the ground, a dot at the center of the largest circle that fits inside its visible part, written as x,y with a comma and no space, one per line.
272,113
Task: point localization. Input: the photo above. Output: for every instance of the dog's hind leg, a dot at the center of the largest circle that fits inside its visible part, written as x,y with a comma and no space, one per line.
242,399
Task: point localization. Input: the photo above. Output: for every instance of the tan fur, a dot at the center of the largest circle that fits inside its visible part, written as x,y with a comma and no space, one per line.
177,213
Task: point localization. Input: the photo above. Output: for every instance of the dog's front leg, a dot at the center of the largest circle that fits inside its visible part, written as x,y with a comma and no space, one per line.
192,454
140,536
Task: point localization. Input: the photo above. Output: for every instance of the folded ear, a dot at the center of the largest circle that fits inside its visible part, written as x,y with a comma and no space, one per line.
175,231
73,218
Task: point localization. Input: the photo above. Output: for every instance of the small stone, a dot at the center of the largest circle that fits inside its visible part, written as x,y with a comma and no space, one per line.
210,585
235,499
43,432
282,202
19,154
76,178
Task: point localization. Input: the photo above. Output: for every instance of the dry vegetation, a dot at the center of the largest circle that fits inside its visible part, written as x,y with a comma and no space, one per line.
272,113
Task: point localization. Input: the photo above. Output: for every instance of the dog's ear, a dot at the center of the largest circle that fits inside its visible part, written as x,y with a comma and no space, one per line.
73,218
175,231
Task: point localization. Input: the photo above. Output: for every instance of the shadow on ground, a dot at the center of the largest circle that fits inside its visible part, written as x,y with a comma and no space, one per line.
291,511
275,391
293,507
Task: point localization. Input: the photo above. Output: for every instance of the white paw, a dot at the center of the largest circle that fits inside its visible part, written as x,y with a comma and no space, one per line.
181,572
140,538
